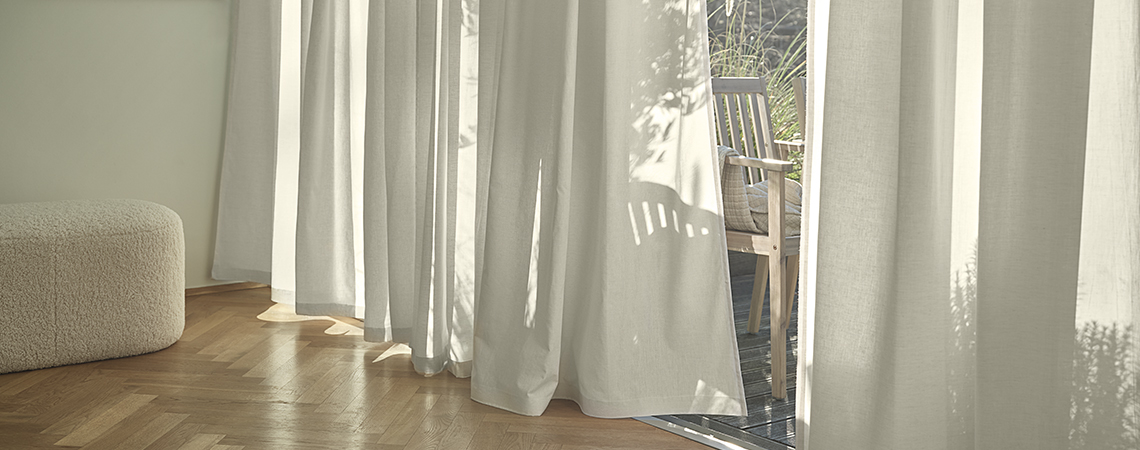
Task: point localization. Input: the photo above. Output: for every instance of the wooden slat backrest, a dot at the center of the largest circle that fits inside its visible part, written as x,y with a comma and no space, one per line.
744,121
799,89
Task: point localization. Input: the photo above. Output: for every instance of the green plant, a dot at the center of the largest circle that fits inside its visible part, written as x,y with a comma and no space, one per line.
740,52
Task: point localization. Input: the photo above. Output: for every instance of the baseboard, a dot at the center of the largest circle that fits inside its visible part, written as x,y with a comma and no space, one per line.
224,288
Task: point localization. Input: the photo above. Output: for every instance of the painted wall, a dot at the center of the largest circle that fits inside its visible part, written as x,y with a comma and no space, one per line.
117,99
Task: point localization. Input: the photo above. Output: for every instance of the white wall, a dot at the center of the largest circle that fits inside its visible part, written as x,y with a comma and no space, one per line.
116,99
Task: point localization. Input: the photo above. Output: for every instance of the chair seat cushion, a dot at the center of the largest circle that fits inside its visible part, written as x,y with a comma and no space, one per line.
793,206
746,206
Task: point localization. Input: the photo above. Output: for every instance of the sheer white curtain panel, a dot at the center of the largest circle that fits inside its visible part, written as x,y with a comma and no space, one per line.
973,269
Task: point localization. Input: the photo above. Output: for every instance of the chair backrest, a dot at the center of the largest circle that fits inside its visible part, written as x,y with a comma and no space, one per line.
743,119
799,89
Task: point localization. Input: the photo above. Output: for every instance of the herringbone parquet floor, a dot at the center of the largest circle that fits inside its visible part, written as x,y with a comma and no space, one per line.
248,374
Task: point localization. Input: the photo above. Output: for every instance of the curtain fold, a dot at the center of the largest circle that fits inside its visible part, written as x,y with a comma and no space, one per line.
972,226
419,162
242,251
595,193
328,194
523,192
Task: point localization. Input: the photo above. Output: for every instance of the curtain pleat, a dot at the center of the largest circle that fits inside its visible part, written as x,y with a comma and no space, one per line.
414,140
242,250
325,245
1034,115
523,192
971,233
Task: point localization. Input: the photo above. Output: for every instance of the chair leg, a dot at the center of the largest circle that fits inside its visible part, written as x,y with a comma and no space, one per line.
793,281
758,287
776,309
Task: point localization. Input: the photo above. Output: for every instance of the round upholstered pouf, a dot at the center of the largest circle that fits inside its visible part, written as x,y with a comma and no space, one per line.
88,280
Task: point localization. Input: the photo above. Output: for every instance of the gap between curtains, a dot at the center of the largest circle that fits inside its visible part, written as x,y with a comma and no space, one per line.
972,278
524,192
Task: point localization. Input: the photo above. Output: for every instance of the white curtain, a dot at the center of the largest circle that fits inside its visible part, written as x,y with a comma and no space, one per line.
522,191
973,245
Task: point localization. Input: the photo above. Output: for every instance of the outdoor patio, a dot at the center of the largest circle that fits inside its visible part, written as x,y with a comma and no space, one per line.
772,421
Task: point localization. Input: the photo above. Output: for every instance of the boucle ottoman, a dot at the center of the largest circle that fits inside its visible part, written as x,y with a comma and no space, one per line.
88,280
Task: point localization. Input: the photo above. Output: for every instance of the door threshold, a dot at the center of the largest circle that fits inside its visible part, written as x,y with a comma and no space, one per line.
713,434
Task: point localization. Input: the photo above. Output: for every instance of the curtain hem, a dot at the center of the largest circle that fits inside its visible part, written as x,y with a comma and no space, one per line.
654,406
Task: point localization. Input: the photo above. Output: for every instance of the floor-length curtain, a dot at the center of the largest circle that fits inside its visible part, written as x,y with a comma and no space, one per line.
522,191
602,275
972,276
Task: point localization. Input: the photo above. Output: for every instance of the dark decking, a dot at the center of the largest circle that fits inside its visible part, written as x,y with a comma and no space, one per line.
767,418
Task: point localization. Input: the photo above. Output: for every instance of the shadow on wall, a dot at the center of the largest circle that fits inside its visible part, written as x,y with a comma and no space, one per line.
1105,409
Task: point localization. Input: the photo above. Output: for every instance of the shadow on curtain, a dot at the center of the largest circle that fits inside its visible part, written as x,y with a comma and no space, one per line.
973,276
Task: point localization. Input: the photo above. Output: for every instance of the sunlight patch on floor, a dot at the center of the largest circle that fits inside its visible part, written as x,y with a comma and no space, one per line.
342,326
394,350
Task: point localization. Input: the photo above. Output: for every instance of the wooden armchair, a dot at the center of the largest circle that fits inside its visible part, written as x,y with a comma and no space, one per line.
743,122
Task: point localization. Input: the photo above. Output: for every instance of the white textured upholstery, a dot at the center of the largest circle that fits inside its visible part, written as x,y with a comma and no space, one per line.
88,280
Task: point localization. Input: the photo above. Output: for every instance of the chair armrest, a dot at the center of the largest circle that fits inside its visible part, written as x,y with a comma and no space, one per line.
798,145
773,165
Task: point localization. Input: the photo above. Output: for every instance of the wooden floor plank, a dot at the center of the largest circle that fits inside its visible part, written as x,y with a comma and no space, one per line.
23,380
20,435
140,437
489,436
177,437
105,420
411,416
55,390
395,401
362,403
273,362
461,432
202,442
89,399
125,428
354,383
242,333
432,428
237,381
322,388
197,329
517,441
